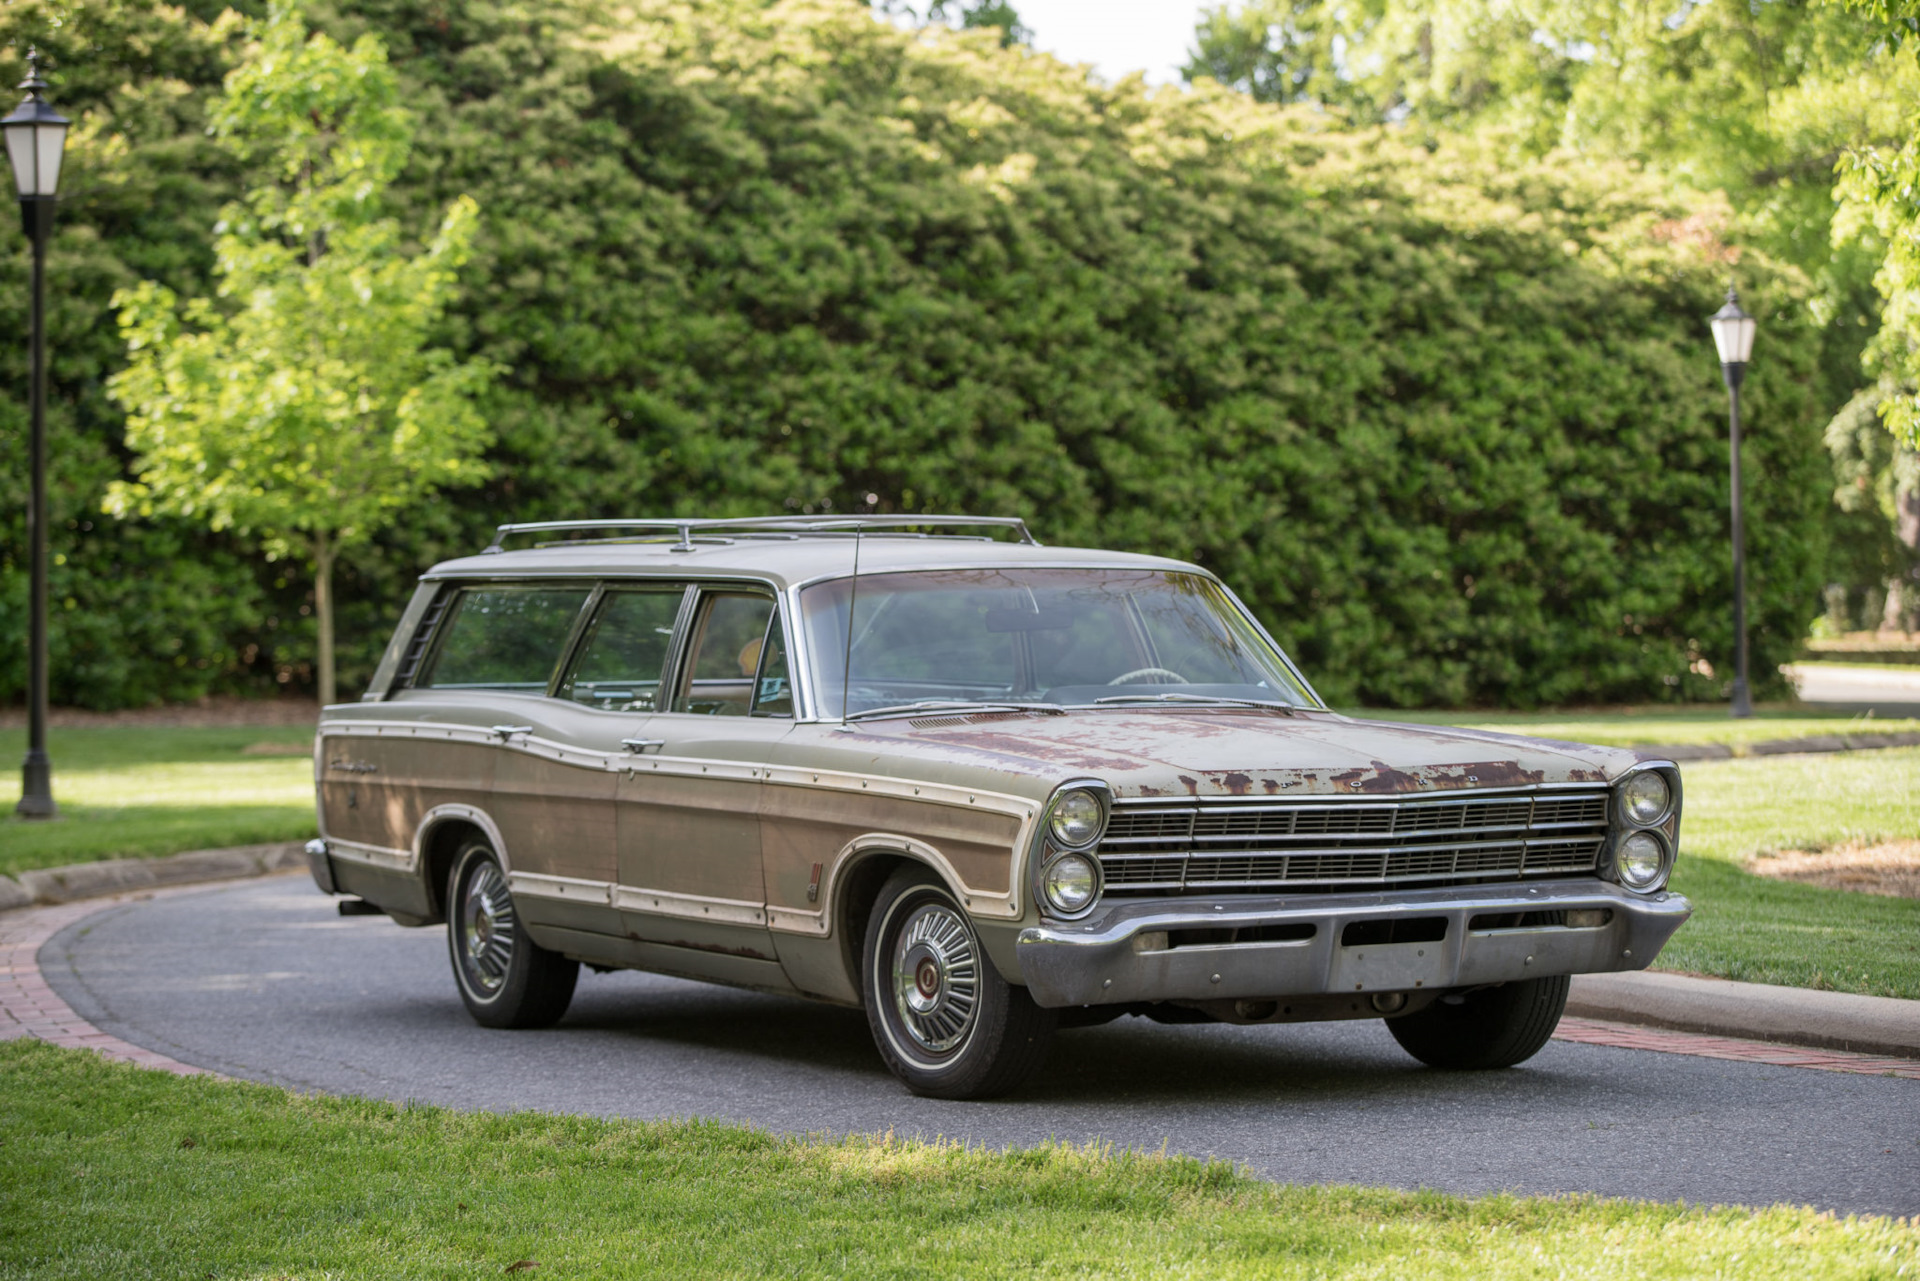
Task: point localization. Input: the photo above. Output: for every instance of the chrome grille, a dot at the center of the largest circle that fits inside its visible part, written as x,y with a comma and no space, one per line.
1159,847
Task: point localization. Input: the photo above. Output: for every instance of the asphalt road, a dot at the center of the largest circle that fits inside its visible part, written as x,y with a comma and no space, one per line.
263,980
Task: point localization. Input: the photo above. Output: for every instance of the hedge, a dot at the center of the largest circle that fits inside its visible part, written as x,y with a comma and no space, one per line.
1453,428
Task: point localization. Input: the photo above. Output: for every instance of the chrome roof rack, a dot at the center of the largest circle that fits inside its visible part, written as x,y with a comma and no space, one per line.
686,529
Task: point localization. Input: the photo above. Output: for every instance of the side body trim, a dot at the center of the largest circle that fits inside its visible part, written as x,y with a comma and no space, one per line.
1002,904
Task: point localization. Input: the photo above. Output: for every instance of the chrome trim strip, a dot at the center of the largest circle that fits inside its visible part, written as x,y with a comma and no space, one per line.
379,856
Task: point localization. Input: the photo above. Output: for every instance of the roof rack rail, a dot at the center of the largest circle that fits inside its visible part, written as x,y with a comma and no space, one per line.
687,528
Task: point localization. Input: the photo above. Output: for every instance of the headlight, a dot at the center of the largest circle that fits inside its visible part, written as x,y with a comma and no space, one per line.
1646,797
1641,861
1076,819
1070,882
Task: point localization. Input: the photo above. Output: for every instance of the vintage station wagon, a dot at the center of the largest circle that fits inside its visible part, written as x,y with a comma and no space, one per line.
979,787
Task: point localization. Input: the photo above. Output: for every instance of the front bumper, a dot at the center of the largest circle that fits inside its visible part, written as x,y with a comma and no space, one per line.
1133,950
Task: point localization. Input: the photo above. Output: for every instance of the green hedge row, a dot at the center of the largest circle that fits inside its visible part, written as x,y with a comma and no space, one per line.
1454,429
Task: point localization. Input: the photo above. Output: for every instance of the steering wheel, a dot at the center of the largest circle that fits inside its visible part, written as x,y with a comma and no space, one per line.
1133,677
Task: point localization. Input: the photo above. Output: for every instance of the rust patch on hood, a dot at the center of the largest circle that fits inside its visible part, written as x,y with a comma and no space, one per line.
1382,778
1237,784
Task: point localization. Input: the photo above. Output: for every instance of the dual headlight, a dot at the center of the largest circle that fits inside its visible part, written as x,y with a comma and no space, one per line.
1644,857
1069,879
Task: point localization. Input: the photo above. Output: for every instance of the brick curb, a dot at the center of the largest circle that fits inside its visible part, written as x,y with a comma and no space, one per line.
118,876
29,1007
1780,746
1881,1025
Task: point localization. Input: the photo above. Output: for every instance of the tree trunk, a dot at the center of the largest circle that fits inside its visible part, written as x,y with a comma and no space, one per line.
324,552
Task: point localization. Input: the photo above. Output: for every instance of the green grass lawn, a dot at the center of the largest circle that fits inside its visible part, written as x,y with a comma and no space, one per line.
139,792
1765,931
1640,726
111,1171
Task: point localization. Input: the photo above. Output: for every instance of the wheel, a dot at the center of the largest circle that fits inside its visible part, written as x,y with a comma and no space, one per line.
1495,1027
945,1021
506,979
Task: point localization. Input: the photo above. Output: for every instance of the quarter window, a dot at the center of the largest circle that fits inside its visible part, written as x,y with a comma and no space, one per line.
505,638
625,650
773,691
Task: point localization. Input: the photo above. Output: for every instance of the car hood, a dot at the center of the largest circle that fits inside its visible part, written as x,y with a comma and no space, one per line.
1230,752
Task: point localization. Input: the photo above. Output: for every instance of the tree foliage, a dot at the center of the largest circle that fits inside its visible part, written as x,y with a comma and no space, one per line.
1444,418
1760,101
308,407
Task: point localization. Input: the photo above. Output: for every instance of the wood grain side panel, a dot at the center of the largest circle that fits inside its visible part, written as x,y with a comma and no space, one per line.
691,836
376,791
556,818
802,826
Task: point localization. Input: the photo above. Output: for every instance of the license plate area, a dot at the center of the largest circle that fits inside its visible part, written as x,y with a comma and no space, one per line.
1392,954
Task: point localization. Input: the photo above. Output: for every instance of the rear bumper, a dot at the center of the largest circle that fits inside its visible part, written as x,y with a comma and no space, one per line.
1133,950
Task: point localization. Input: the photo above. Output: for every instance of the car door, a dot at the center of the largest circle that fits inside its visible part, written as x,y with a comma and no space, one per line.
689,804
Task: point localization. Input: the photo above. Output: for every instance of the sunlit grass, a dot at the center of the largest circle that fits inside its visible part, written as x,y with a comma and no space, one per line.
140,792
1765,931
113,1171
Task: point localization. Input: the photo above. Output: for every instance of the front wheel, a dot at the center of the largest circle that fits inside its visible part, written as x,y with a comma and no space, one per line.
505,978
1495,1027
945,1021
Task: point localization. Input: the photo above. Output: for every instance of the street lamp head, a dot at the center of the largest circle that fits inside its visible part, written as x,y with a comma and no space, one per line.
1733,331
36,138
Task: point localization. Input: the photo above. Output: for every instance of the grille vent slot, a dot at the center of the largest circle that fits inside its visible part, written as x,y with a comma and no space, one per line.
422,637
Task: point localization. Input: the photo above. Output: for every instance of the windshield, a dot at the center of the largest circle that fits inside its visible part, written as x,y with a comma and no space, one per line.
1066,637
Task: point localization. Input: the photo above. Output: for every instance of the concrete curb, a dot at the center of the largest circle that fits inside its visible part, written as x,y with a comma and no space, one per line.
1678,752
117,876
1755,1011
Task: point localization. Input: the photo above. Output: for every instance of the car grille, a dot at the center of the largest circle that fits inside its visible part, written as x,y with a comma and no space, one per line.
1221,846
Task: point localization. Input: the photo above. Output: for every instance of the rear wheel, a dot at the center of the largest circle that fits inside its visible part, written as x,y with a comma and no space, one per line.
944,1020
505,978
1495,1027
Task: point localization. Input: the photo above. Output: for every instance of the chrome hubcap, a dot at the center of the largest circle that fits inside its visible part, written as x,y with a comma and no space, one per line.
488,928
936,978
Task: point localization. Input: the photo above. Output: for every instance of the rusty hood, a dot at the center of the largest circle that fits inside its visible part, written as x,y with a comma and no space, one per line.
1230,752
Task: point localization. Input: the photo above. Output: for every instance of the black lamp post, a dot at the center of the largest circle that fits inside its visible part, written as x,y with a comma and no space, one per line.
36,141
1733,331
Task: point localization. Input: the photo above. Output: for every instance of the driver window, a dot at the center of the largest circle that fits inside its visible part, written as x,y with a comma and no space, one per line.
625,649
729,633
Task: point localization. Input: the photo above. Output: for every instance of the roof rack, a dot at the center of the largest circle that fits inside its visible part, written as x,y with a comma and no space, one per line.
792,526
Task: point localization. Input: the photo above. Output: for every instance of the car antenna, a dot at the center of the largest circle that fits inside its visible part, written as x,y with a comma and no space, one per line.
853,598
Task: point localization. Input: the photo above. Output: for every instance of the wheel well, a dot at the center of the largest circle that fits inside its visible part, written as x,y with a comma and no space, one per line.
859,890
442,843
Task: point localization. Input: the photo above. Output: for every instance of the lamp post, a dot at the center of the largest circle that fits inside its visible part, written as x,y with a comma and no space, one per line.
1733,331
36,141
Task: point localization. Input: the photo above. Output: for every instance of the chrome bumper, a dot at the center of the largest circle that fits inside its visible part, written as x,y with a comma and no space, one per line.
1131,951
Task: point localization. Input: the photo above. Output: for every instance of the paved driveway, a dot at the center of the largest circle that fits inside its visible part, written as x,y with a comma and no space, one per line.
262,980
1842,687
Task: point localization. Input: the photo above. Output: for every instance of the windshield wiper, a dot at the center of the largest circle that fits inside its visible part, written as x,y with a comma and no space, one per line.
1203,700
955,705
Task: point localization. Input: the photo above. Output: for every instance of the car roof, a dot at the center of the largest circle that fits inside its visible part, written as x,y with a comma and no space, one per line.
785,561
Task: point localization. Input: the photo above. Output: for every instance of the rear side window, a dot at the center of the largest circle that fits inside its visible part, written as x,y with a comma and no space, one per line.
506,638
625,649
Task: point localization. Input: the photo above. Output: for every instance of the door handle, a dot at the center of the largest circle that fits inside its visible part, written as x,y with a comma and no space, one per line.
639,745
508,731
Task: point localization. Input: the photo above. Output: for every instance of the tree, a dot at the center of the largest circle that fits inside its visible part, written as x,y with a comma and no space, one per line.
1880,193
304,404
